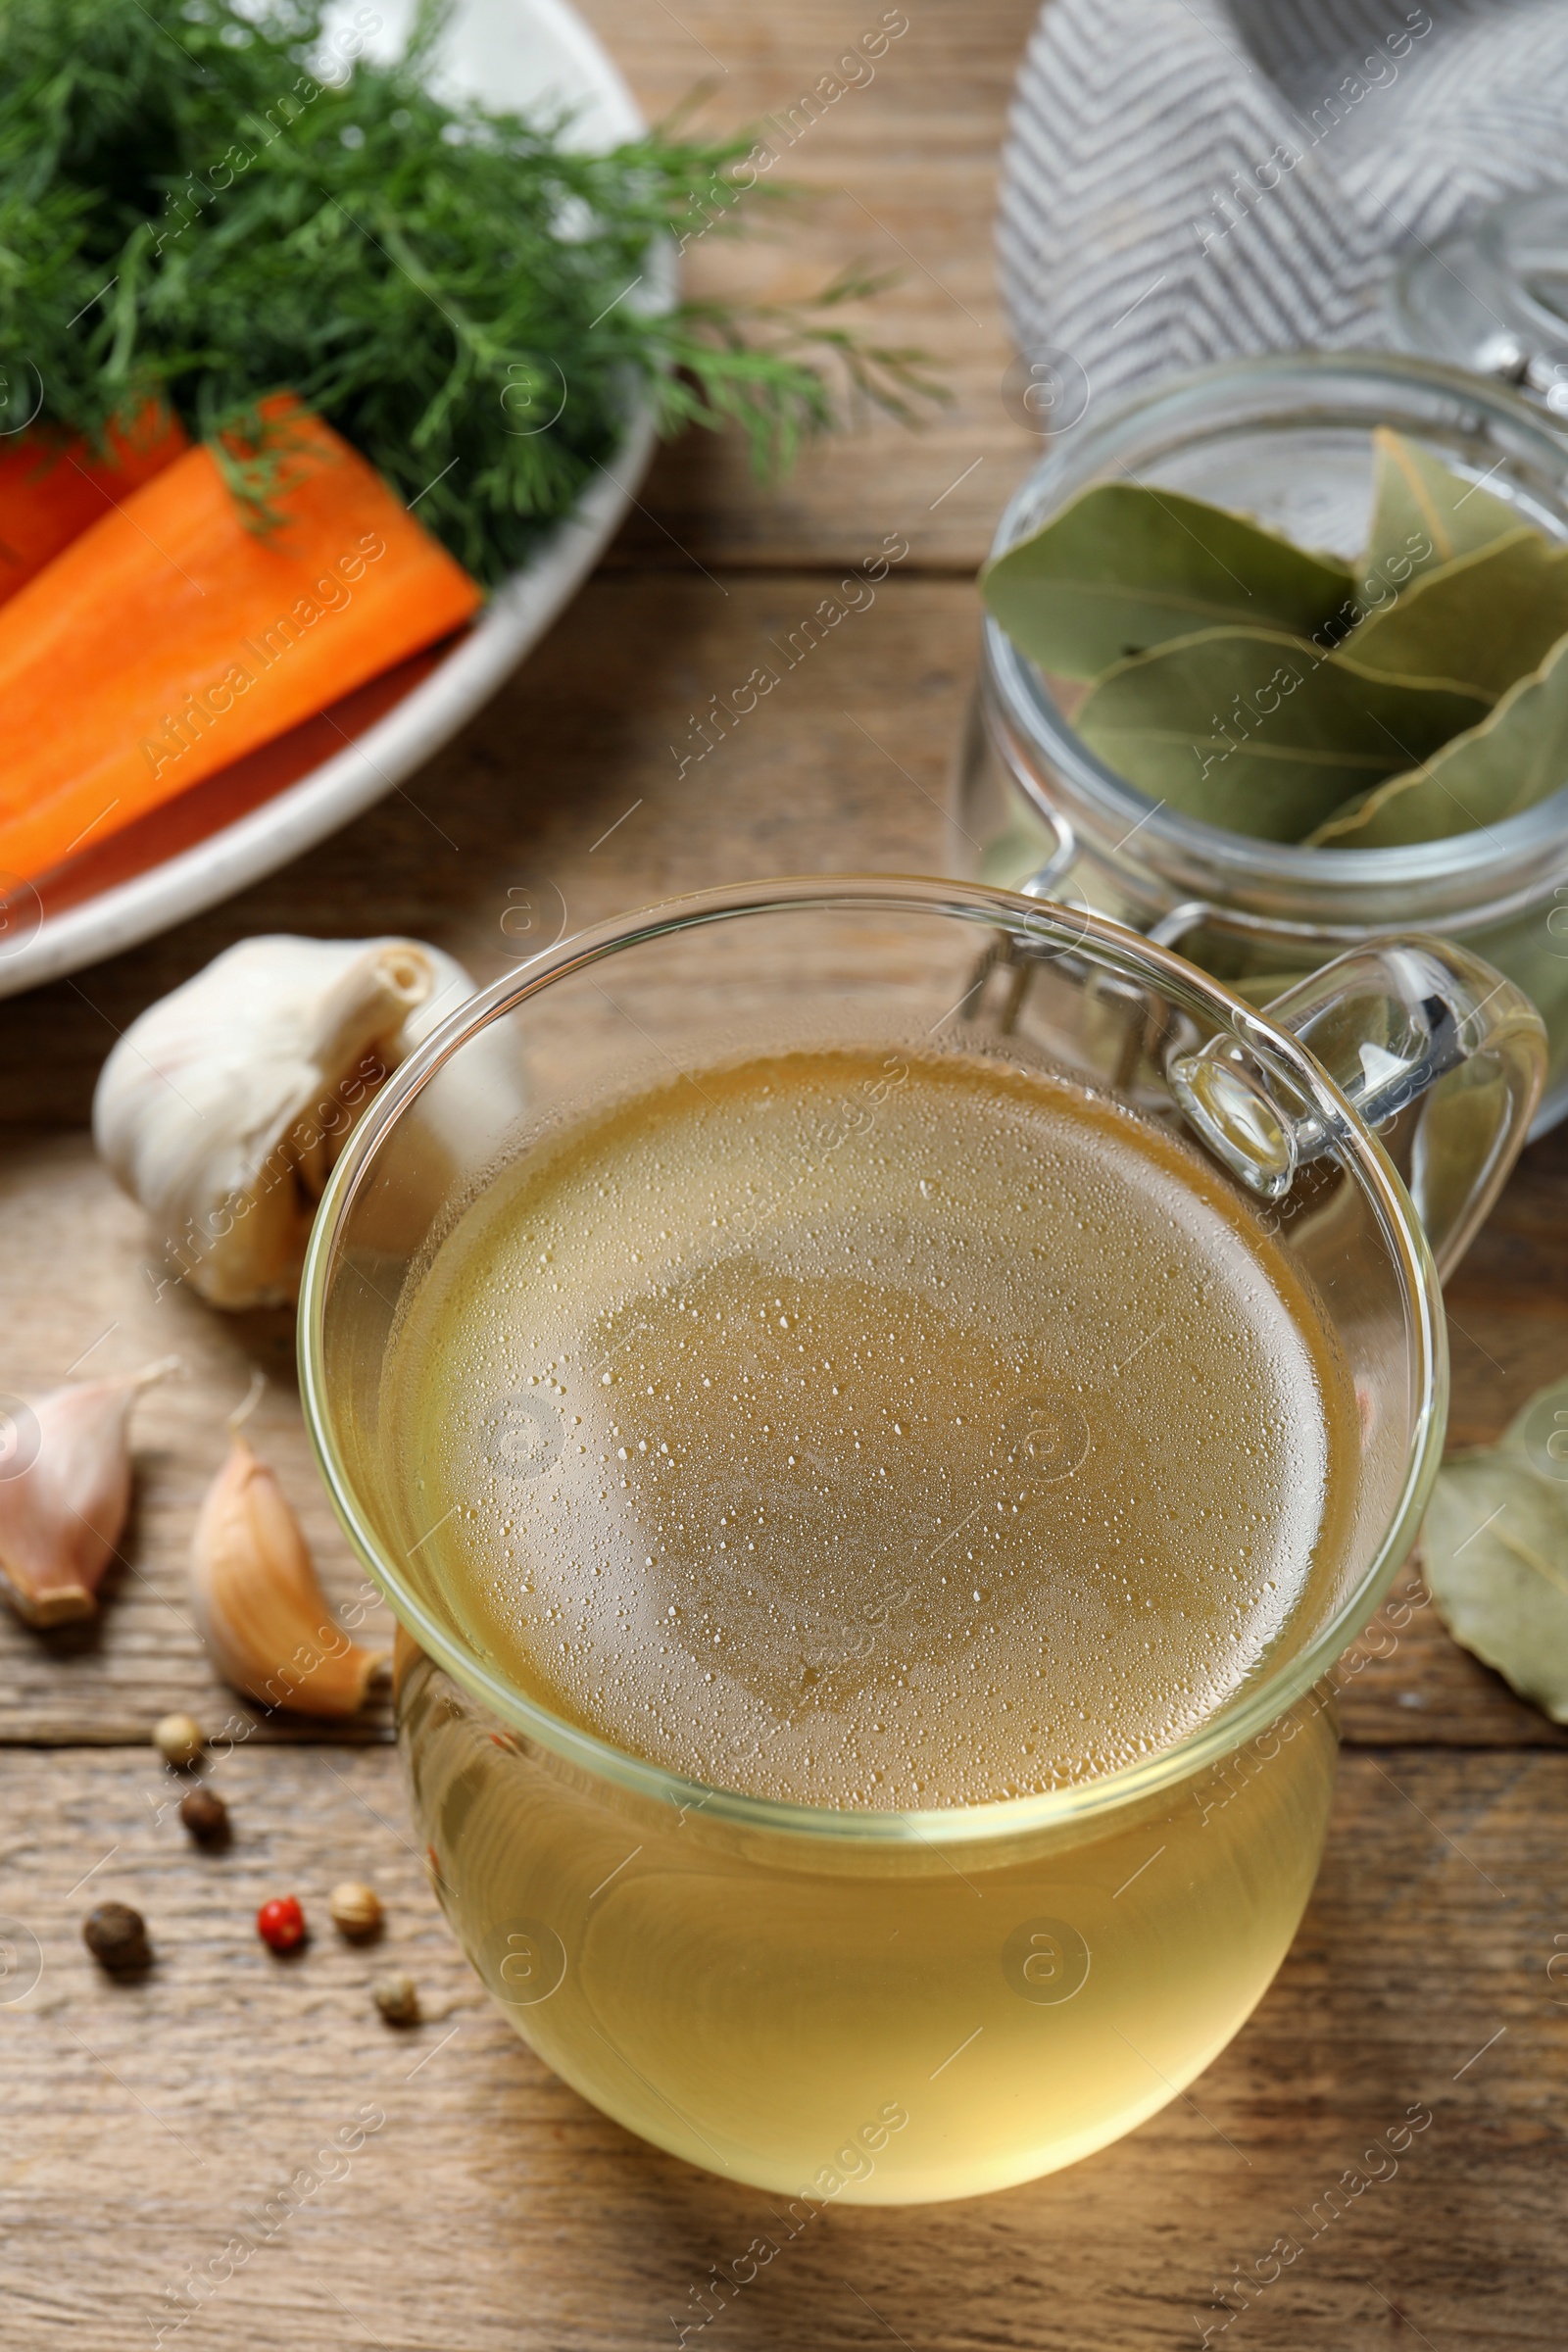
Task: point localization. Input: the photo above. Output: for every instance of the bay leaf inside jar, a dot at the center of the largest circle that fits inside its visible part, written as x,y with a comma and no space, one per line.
1515,758
1125,568
1485,620
1423,513
1262,732
1266,690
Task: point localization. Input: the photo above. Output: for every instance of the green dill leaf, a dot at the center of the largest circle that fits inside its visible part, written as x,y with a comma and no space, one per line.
191,208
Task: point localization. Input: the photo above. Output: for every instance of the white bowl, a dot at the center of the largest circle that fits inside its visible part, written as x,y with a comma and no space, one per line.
515,53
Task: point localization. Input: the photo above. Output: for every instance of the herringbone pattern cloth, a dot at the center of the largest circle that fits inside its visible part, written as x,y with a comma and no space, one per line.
1189,179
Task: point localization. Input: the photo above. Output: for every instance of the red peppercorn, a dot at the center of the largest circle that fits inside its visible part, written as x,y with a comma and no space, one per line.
280,1924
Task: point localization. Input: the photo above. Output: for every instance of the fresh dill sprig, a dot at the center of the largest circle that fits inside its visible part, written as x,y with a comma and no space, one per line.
206,206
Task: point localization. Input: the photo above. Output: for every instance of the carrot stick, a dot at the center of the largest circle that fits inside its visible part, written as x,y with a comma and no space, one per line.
170,638
51,489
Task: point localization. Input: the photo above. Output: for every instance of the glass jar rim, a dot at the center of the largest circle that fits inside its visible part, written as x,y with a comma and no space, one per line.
1518,860
1221,1735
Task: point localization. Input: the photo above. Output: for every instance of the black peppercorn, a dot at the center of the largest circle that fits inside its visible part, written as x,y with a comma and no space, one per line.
204,1814
116,1937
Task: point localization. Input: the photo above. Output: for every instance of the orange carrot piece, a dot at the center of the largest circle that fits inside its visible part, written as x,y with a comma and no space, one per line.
170,638
53,489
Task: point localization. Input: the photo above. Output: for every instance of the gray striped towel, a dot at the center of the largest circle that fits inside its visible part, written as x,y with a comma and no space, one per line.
1190,180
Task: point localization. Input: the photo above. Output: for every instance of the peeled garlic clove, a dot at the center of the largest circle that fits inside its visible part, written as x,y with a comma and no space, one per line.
267,1620
224,1106
65,1488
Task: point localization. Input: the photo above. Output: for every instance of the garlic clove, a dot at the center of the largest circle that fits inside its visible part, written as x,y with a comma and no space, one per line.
65,1490
266,1621
224,1106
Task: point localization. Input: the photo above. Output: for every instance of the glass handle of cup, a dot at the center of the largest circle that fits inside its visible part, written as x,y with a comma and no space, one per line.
1405,1022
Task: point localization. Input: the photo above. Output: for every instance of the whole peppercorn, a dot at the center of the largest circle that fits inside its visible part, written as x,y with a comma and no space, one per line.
280,1924
179,1739
398,1999
116,1937
355,1910
204,1814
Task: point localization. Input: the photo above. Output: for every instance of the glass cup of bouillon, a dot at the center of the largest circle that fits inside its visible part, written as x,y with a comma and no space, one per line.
876,1405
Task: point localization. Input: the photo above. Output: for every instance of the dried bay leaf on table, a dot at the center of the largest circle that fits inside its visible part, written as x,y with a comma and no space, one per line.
1420,504
1485,621
1496,1552
1260,732
1517,757
1125,568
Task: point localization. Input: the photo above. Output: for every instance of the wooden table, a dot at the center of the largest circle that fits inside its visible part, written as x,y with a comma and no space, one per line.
491,2208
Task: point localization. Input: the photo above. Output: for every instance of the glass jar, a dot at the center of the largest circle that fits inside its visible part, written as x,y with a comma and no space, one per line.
1285,437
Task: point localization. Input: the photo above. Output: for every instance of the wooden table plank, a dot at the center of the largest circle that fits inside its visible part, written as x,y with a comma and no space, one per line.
901,174
1507,1326
146,2121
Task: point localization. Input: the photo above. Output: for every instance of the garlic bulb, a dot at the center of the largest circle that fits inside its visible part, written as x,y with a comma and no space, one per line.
224,1106
65,1488
265,1619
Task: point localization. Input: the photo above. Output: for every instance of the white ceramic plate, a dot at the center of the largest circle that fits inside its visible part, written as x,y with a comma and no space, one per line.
283,798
